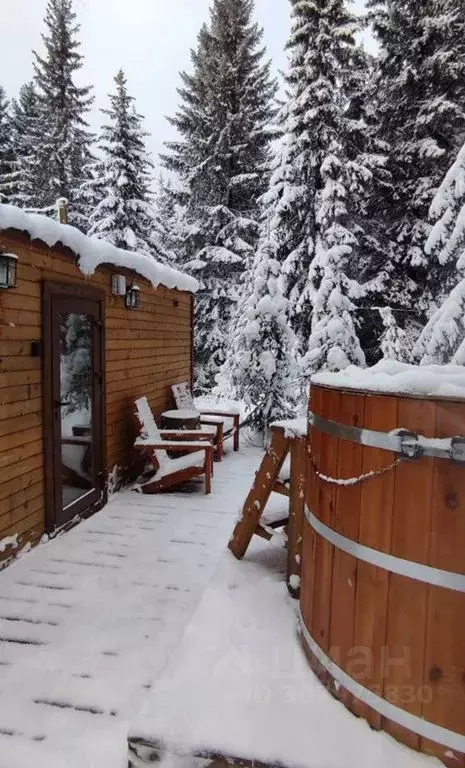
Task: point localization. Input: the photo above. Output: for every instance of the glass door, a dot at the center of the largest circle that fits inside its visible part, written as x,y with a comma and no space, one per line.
75,406
76,475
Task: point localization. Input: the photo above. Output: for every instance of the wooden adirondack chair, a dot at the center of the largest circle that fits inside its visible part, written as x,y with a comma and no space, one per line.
226,423
197,448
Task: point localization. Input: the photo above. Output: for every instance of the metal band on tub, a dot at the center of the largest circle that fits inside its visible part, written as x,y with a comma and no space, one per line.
408,444
425,728
425,573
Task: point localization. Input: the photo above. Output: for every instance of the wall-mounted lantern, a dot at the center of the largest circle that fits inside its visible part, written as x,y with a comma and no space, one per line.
8,270
118,285
133,297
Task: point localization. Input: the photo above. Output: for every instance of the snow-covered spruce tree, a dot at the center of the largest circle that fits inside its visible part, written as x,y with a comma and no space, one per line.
333,341
443,338
125,214
368,181
25,179
171,218
6,156
318,203
394,343
64,149
421,93
260,365
221,158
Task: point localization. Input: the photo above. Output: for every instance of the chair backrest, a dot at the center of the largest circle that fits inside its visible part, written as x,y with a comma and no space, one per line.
149,429
183,396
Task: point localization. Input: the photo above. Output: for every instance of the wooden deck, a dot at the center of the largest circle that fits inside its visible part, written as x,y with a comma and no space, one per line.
238,690
87,621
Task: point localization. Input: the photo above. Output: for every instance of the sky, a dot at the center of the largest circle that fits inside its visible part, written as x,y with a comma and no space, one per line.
149,39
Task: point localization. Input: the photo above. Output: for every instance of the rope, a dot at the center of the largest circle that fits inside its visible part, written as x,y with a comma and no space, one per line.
350,481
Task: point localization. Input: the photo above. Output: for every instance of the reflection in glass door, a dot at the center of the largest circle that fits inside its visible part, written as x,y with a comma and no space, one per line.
76,399
73,399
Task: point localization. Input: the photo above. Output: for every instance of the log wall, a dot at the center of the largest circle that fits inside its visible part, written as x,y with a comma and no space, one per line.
147,350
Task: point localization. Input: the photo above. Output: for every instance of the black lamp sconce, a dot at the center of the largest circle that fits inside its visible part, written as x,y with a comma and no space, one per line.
131,292
133,297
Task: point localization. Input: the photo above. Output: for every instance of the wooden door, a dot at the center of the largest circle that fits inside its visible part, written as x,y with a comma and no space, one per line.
73,402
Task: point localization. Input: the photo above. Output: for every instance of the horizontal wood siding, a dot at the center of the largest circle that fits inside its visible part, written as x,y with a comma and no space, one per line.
147,350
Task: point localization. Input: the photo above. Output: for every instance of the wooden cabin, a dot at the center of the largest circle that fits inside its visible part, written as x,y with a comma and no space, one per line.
85,329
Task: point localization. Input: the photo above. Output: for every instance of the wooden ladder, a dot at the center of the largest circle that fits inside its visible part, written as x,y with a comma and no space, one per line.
265,483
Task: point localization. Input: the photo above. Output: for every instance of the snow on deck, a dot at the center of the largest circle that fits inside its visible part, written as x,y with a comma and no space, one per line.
238,685
87,621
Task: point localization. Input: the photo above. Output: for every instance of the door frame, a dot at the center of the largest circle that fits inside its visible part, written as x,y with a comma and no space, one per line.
53,504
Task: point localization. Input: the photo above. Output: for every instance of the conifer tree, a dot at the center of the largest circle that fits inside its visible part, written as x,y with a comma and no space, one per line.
171,218
421,92
25,177
221,158
317,205
261,366
443,338
125,214
333,342
394,343
369,181
5,146
64,150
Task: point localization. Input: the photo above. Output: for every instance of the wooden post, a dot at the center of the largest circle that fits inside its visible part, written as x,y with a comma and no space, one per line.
296,514
236,421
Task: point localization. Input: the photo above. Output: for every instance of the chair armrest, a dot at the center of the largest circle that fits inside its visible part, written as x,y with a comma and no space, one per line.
190,447
227,414
173,445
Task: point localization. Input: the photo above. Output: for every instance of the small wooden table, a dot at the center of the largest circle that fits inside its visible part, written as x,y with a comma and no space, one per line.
182,418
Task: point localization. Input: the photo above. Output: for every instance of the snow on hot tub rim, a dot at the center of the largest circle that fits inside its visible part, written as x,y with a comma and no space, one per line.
390,377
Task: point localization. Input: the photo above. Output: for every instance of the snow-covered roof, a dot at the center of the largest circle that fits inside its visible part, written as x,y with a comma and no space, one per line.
391,377
92,252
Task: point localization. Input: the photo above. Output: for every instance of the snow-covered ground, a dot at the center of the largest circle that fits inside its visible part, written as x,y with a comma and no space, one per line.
93,644
239,685
87,621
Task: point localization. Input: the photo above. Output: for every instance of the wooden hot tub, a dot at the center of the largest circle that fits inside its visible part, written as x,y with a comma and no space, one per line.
383,564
